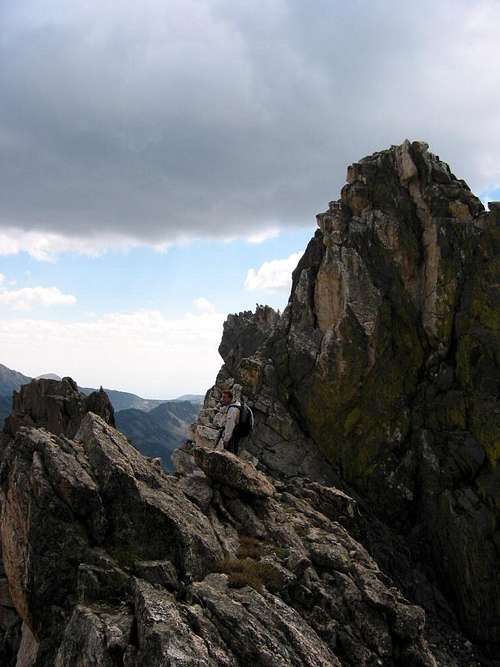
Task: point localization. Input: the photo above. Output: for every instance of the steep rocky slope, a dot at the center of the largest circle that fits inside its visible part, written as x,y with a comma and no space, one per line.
384,373
56,406
111,561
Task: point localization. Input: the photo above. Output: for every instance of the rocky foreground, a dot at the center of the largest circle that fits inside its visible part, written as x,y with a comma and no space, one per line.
360,525
110,560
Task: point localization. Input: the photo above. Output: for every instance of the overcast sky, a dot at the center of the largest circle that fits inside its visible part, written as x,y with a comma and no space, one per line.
136,130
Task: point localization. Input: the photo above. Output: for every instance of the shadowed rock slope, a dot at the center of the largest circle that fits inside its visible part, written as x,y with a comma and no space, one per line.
56,405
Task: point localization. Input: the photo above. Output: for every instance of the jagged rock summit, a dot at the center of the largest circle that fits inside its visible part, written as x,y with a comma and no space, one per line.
383,373
56,405
359,526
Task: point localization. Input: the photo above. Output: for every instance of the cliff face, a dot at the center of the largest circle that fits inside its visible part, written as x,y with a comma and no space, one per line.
391,361
391,295
384,371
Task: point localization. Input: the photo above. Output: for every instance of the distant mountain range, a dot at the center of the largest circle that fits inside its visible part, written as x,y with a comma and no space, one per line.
192,398
11,380
5,407
123,400
154,426
159,431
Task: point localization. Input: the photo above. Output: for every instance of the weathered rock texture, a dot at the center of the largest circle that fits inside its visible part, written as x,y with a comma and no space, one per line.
111,561
383,374
57,406
76,515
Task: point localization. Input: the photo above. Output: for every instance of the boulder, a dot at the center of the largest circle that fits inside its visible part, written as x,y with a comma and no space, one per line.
229,470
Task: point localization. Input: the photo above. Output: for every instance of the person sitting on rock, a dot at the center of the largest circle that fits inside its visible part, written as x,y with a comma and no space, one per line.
230,435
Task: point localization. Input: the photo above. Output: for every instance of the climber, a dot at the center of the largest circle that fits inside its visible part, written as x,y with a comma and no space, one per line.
238,419
230,436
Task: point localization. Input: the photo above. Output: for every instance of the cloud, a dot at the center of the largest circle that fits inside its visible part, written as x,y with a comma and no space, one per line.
122,124
203,305
46,246
26,298
275,274
142,351
264,235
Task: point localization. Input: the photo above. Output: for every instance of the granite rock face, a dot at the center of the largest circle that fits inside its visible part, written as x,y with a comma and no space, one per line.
383,373
245,333
59,407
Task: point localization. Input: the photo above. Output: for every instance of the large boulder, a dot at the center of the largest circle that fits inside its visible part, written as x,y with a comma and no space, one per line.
229,470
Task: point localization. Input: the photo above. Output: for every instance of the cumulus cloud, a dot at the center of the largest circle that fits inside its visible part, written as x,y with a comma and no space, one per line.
214,118
275,274
142,351
26,298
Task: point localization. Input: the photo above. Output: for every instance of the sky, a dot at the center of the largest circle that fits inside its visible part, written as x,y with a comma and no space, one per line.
161,163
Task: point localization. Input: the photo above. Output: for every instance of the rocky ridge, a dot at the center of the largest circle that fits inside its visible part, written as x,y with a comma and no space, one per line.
110,560
383,377
156,429
359,525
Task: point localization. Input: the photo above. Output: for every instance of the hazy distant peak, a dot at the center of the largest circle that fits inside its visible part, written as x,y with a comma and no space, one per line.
192,398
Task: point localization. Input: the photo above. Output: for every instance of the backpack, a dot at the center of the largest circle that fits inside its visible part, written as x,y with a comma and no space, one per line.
246,422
